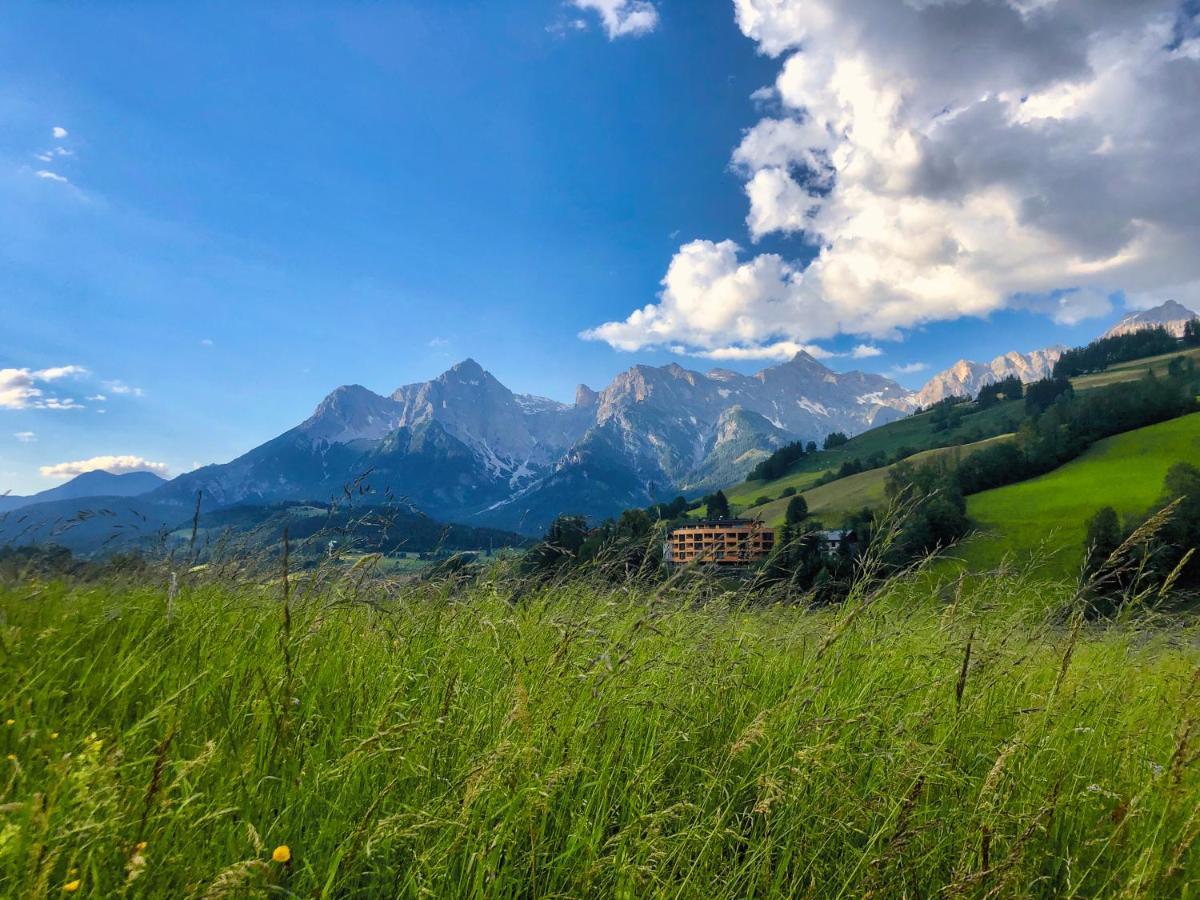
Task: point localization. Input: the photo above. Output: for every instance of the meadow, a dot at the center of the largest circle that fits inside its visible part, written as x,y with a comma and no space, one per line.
834,502
913,434
346,734
1046,517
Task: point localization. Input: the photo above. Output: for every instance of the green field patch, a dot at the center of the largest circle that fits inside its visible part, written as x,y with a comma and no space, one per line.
1048,514
1132,370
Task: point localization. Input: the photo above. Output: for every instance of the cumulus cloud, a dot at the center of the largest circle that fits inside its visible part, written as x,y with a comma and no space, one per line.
59,132
117,465
622,18
25,437
865,351
944,158
712,301
25,388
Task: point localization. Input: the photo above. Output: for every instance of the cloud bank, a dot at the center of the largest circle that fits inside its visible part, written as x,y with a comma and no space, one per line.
25,388
949,158
116,465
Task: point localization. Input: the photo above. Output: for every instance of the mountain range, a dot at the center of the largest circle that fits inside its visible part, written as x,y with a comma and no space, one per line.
966,378
462,447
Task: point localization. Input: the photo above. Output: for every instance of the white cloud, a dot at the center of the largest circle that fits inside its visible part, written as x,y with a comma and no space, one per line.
120,387
622,18
117,465
59,403
59,132
949,158
865,351
781,350
438,343
56,372
17,389
563,27
51,176
97,398
910,368
206,342
23,388
25,437
1076,306
713,302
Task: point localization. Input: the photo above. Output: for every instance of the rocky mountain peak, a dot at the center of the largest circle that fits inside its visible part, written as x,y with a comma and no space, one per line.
585,397
1169,315
966,378
352,412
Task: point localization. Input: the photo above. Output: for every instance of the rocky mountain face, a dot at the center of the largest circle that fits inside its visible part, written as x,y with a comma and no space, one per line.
965,378
464,447
1170,315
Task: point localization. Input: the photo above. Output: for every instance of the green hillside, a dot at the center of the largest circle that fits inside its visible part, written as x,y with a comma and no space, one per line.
916,433
833,502
1132,370
1049,513
913,433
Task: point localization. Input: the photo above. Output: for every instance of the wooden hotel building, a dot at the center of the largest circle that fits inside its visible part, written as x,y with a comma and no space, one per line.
721,542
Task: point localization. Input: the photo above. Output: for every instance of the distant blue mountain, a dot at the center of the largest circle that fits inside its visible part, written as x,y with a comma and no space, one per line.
90,484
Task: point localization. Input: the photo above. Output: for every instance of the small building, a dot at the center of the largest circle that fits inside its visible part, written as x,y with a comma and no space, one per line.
721,542
838,541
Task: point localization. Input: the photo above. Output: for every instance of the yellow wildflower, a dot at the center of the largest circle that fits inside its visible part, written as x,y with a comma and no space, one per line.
54,735
10,722
141,845
12,757
282,854
71,886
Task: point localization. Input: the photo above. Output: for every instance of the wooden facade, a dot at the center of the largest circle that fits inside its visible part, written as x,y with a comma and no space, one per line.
722,542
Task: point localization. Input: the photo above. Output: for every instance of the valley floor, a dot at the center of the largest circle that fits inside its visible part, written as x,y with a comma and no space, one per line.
425,741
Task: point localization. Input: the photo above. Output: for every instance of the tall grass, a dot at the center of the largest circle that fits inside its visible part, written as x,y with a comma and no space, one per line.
432,740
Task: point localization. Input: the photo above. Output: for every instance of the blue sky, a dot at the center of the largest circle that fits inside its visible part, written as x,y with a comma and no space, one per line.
250,204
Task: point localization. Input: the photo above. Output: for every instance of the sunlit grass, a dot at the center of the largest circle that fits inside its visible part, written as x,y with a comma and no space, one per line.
1050,513
376,739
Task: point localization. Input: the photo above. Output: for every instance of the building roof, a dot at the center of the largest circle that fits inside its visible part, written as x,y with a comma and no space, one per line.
719,523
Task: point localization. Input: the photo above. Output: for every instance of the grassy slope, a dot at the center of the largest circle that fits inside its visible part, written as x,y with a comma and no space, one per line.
457,746
1132,371
833,502
913,432
1049,513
